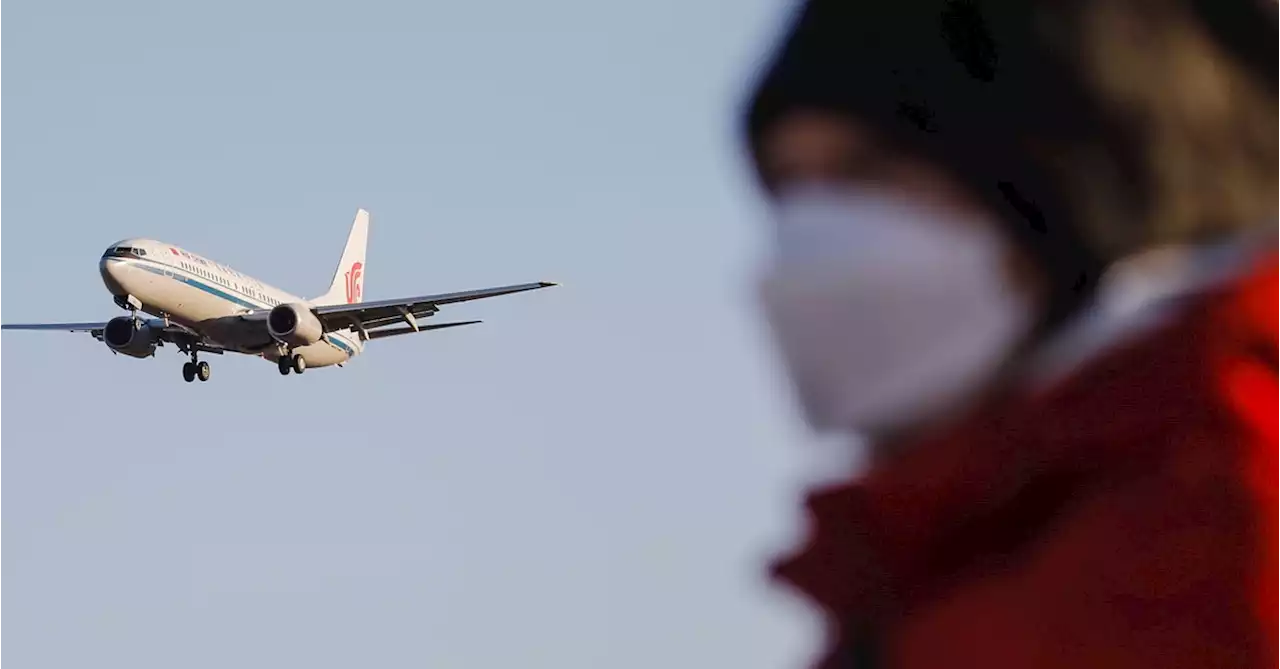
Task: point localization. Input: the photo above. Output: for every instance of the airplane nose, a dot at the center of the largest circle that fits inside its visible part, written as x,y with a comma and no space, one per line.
110,269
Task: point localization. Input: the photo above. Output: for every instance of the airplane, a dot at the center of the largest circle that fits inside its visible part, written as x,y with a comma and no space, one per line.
201,306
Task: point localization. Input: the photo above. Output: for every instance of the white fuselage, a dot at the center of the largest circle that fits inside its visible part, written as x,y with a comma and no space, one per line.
211,298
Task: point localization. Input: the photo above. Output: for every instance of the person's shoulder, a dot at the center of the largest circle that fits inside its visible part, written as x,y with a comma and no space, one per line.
1246,310
1178,332
1241,333
1202,361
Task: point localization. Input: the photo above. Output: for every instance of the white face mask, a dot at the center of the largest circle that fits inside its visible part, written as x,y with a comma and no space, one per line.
887,313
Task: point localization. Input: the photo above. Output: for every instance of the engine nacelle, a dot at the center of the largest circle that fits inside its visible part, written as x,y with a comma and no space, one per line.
122,337
294,324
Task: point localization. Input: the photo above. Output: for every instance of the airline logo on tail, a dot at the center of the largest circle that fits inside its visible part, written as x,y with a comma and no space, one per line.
354,278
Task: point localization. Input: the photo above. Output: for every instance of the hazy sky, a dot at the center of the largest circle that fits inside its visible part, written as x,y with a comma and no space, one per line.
592,478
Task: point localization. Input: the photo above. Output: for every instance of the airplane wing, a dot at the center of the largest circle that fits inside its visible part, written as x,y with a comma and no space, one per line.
368,315
57,327
171,332
391,332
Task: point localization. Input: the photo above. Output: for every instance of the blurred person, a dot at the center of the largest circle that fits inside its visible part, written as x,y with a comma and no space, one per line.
1026,250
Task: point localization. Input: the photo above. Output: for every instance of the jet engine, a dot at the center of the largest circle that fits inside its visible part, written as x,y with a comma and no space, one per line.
294,324
121,336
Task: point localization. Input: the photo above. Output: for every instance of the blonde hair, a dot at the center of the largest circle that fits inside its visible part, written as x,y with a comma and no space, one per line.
1190,153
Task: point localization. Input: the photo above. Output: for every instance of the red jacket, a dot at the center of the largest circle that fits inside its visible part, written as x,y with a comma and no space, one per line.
1125,518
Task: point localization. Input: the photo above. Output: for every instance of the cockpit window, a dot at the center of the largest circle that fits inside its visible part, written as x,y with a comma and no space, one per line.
125,252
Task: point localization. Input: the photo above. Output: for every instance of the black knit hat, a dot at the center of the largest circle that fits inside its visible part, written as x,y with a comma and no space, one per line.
957,83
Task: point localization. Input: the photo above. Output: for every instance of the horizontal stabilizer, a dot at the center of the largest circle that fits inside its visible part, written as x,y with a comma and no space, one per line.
379,334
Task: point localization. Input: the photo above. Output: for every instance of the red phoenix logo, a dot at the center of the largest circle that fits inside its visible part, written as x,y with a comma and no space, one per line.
354,279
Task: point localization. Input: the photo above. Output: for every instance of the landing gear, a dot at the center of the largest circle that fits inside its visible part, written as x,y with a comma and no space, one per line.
196,369
291,363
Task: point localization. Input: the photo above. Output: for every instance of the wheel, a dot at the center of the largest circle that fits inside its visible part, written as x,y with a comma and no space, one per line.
299,364
203,372
189,372
283,364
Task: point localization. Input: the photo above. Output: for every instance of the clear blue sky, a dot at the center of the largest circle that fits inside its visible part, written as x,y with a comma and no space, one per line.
592,478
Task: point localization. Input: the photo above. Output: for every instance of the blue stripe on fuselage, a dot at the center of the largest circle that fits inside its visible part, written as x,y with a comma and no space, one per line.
175,274
190,281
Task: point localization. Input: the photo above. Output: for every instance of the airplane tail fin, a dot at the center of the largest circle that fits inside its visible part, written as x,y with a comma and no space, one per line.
348,279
